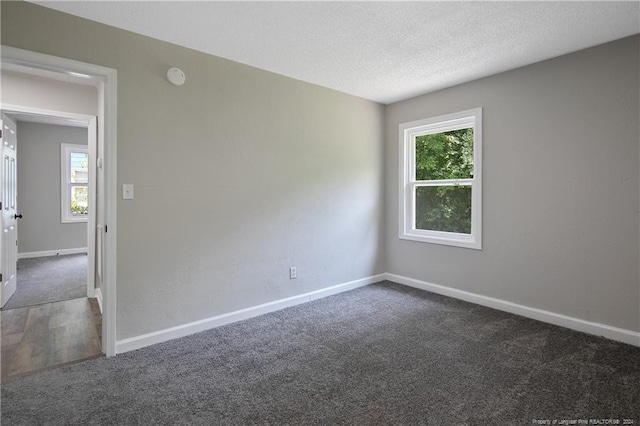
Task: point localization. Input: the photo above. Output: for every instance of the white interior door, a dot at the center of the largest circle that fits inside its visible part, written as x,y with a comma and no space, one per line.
9,187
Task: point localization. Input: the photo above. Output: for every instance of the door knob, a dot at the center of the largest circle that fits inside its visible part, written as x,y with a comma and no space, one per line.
17,216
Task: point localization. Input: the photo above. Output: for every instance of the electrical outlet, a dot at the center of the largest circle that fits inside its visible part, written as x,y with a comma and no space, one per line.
127,192
293,273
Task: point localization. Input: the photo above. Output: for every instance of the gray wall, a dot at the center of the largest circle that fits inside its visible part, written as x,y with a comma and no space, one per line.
38,159
238,175
560,219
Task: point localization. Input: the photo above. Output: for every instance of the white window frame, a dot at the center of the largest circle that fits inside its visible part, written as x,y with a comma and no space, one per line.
65,179
408,132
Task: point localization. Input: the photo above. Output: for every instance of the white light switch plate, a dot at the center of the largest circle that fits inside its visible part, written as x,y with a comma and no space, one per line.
127,191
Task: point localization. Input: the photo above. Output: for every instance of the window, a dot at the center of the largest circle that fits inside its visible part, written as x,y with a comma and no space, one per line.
441,180
75,183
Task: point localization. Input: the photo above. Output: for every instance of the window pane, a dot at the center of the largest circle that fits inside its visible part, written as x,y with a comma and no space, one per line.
79,167
444,208
79,200
446,155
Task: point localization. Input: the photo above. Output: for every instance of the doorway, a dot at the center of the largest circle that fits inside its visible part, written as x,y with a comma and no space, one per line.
101,235
56,209
48,319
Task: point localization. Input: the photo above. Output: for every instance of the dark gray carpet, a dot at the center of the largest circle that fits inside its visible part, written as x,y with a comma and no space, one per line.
49,279
382,354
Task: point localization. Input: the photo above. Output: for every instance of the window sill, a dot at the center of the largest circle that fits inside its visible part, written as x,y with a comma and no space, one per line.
441,238
74,220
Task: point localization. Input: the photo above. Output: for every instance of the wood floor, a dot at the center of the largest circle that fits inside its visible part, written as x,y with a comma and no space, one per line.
40,337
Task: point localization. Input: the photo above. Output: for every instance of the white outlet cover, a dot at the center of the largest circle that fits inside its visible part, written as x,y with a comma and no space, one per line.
127,191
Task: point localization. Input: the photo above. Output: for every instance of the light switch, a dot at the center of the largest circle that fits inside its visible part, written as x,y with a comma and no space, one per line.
127,191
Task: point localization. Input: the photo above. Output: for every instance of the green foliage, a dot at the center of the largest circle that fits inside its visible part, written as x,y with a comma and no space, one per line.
79,198
446,155
78,210
444,208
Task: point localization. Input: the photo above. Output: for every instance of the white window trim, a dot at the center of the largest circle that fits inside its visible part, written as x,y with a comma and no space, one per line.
65,182
408,133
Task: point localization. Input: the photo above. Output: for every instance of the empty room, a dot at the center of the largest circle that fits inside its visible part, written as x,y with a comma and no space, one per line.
331,212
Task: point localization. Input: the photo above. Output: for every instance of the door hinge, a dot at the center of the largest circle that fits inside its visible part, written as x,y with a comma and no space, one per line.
0,133
0,278
105,229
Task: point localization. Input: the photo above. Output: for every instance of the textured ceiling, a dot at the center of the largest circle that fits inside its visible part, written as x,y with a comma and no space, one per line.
383,51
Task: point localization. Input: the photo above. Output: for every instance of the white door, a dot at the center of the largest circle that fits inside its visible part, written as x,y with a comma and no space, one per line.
9,188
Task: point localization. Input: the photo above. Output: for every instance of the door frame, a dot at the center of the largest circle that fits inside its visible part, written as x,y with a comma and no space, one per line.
107,100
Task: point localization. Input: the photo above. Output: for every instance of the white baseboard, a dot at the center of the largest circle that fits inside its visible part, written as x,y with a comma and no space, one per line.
138,342
51,253
98,295
144,340
613,333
